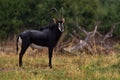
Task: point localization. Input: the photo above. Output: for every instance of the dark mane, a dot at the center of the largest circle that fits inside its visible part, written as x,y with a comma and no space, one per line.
46,27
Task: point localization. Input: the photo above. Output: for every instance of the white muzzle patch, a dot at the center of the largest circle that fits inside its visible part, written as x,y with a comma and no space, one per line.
60,27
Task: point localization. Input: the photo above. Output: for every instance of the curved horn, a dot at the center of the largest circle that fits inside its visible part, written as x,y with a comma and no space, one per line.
62,12
56,11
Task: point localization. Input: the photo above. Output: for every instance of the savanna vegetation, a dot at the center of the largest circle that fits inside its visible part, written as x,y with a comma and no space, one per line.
65,67
19,15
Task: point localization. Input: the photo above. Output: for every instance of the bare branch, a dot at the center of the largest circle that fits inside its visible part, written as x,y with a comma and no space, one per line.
90,43
76,34
92,33
80,28
71,35
109,34
99,34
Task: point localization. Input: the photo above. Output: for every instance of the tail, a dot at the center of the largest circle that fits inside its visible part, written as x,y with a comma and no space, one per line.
17,45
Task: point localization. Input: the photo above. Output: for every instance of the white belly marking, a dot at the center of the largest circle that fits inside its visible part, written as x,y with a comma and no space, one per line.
35,46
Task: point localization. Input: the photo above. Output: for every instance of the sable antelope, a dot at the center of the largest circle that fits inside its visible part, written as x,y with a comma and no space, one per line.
48,36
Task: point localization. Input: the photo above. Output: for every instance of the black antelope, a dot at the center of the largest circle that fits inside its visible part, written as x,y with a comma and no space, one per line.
48,36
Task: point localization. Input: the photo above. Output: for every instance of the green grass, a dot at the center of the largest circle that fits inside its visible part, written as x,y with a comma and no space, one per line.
65,67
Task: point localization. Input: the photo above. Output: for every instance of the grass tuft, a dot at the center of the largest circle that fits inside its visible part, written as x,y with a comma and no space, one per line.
65,67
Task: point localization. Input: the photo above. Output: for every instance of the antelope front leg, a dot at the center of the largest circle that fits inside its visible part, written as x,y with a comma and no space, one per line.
50,57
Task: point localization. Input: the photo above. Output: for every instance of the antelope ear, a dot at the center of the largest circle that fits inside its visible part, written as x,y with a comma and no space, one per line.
63,20
54,20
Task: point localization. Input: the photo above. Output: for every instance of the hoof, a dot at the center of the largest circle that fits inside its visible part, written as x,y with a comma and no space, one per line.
50,66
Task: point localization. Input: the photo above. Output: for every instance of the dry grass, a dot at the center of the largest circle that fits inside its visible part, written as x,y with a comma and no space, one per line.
65,66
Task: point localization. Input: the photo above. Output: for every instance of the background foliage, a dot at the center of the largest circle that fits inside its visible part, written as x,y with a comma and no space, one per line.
17,15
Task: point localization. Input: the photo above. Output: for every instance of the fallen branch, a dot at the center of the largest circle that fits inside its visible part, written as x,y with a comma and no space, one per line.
90,42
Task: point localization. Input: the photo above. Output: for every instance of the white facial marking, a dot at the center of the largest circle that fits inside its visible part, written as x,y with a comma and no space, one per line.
59,27
62,27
